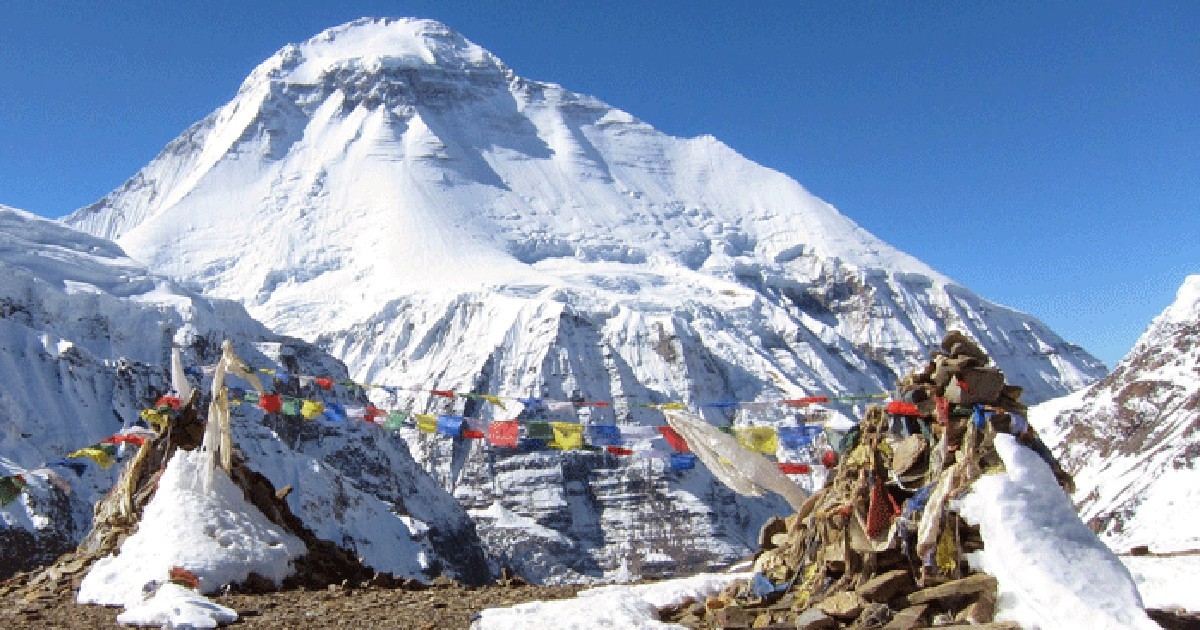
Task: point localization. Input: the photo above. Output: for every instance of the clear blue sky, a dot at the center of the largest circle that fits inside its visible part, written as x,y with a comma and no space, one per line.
1046,155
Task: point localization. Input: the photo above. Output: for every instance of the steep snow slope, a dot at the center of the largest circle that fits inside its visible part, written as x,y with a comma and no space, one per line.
1132,440
386,158
397,194
85,334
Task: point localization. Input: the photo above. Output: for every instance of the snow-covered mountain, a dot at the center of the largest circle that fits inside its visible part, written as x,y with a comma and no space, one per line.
85,336
1132,440
395,193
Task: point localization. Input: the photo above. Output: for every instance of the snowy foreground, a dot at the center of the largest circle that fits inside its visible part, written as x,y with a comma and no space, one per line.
1053,572
608,606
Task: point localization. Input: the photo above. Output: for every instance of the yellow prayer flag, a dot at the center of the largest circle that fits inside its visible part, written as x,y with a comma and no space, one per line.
155,418
96,454
759,439
311,409
426,423
567,436
671,406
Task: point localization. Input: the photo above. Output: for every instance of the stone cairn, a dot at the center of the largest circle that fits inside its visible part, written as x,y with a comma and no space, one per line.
117,516
880,545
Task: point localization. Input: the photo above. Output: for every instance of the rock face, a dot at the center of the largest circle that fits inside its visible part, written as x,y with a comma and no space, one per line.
85,337
1132,440
395,193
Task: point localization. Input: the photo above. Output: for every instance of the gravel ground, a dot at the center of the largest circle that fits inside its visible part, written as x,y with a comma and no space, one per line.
445,606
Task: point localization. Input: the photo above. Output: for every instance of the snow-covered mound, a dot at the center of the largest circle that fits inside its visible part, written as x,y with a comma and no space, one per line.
1132,440
85,338
1052,571
397,194
213,532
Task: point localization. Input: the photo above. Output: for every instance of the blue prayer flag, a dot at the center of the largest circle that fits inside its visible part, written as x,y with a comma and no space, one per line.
797,437
335,412
603,435
683,461
450,425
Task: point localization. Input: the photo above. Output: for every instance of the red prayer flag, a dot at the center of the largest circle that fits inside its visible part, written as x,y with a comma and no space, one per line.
271,403
169,401
444,393
598,404
674,439
372,412
324,383
794,468
804,402
472,434
619,450
900,408
135,440
503,433
829,459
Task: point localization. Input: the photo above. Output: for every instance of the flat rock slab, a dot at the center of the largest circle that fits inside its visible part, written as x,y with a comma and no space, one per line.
885,586
970,585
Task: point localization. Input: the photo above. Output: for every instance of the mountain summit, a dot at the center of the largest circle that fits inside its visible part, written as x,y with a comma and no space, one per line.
395,193
384,159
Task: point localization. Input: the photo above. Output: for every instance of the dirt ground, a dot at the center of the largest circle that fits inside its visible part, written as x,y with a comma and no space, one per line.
444,606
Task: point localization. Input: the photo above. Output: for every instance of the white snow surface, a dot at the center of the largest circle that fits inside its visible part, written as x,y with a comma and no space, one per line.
174,606
618,606
1168,583
212,532
1053,571
1132,440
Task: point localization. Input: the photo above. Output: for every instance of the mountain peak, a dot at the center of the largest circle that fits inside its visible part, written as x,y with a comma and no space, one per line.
373,44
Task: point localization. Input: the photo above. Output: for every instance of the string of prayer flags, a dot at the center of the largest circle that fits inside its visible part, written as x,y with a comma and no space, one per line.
603,435
568,436
674,439
682,461
797,437
759,439
794,468
504,433
450,425
11,487
100,453
311,409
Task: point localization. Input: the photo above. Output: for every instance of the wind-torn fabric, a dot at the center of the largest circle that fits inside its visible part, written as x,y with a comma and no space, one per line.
743,471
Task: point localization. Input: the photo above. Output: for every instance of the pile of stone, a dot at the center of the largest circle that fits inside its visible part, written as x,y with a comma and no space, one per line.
881,546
